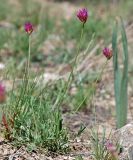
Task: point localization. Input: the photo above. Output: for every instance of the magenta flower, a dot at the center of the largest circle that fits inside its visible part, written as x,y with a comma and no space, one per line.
107,52
2,93
111,148
82,14
28,27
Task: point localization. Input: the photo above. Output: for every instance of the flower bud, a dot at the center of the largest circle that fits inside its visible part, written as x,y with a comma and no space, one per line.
107,53
28,27
111,148
82,14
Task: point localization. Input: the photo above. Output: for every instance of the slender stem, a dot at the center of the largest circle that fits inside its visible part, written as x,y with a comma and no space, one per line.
79,47
93,86
75,60
25,85
101,73
72,71
28,64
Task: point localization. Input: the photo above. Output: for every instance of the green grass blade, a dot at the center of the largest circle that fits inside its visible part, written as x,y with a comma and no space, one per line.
117,74
124,80
120,76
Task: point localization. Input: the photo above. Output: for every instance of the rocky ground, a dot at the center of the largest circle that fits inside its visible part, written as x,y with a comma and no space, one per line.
103,101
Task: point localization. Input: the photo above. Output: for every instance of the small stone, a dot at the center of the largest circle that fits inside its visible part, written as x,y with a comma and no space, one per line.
124,136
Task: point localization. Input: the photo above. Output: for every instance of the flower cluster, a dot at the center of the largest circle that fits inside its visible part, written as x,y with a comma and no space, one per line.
82,14
111,148
107,53
28,28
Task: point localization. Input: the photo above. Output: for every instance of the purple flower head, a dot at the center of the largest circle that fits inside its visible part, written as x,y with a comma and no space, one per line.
82,14
110,147
28,28
107,52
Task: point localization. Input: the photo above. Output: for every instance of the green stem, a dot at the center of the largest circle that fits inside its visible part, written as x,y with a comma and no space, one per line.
25,85
72,72
93,86
28,64
75,60
79,47
101,73
95,83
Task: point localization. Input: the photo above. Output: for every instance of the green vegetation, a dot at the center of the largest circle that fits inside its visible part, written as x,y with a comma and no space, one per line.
32,113
102,147
120,76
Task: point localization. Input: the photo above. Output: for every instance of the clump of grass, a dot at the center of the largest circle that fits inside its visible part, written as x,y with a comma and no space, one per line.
29,116
36,121
103,148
